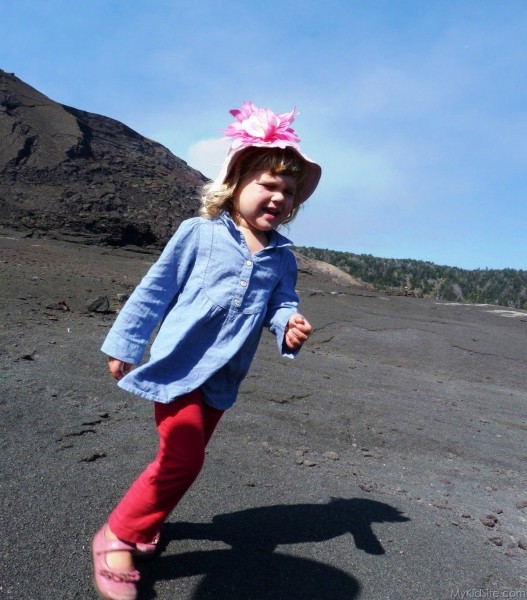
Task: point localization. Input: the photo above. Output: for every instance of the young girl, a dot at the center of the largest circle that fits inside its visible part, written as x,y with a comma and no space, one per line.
221,279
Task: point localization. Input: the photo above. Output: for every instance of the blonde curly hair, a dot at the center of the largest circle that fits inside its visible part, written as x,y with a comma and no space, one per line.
277,161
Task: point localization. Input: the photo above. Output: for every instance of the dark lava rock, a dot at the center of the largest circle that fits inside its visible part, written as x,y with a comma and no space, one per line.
99,304
78,176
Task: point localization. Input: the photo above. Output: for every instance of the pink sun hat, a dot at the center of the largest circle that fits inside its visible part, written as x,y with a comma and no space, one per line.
262,128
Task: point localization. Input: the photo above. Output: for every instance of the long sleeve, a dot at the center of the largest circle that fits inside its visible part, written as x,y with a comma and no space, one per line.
283,304
148,303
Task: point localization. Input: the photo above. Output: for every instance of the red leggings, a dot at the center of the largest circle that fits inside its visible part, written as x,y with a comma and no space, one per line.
185,426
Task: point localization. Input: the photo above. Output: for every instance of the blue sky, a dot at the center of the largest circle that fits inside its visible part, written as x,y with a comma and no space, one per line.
416,110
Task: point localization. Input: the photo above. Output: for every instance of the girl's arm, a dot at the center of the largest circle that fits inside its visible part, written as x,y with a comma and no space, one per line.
134,325
282,309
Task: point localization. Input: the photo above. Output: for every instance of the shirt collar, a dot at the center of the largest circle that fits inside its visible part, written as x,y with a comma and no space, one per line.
276,240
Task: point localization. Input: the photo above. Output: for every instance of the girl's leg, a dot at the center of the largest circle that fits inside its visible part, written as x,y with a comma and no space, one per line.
185,427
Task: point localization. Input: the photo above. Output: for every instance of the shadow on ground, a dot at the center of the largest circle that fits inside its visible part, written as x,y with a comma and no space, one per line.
252,569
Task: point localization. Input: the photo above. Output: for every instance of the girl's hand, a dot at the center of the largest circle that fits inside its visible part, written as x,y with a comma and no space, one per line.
297,331
118,368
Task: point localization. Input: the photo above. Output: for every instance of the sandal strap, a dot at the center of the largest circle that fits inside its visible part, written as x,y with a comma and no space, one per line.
121,576
113,546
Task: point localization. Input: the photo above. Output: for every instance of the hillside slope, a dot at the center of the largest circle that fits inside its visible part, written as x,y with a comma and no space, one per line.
72,173
408,277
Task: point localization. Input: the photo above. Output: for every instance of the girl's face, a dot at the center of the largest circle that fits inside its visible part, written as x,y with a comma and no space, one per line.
263,201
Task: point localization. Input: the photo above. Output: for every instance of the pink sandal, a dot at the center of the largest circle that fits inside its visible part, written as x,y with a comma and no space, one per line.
112,584
146,551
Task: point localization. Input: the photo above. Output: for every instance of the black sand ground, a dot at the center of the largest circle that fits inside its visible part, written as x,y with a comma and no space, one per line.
387,461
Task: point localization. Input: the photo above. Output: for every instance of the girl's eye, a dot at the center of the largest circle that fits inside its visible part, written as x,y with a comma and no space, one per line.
271,187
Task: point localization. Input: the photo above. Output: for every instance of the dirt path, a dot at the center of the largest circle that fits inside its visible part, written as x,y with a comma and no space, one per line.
387,461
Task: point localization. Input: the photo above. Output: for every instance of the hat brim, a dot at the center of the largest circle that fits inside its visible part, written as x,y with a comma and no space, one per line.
314,170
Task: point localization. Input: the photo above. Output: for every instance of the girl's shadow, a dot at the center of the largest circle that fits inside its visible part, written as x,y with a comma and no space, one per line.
252,569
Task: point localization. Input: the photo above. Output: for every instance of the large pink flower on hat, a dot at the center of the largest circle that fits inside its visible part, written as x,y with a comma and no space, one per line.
261,127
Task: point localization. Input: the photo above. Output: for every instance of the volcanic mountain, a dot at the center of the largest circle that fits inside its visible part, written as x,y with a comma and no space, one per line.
76,175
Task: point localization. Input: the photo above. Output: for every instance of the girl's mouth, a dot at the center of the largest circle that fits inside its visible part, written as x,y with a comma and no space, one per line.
271,211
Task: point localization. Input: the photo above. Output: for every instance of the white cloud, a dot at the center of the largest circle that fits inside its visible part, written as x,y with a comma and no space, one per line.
207,156
371,176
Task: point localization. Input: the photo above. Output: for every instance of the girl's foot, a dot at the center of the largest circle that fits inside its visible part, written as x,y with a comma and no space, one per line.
146,551
114,574
119,559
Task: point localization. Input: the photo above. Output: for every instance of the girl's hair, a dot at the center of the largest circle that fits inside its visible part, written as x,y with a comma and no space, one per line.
277,161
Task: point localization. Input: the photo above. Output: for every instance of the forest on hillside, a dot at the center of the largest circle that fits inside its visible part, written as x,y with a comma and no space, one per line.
506,287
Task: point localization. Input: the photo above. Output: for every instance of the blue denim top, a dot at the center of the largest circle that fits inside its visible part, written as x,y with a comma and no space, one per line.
213,299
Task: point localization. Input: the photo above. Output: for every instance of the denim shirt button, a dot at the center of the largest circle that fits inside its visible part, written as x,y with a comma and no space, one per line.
237,302
249,263
243,283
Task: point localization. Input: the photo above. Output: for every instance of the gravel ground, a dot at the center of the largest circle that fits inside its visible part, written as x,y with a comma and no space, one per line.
386,462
